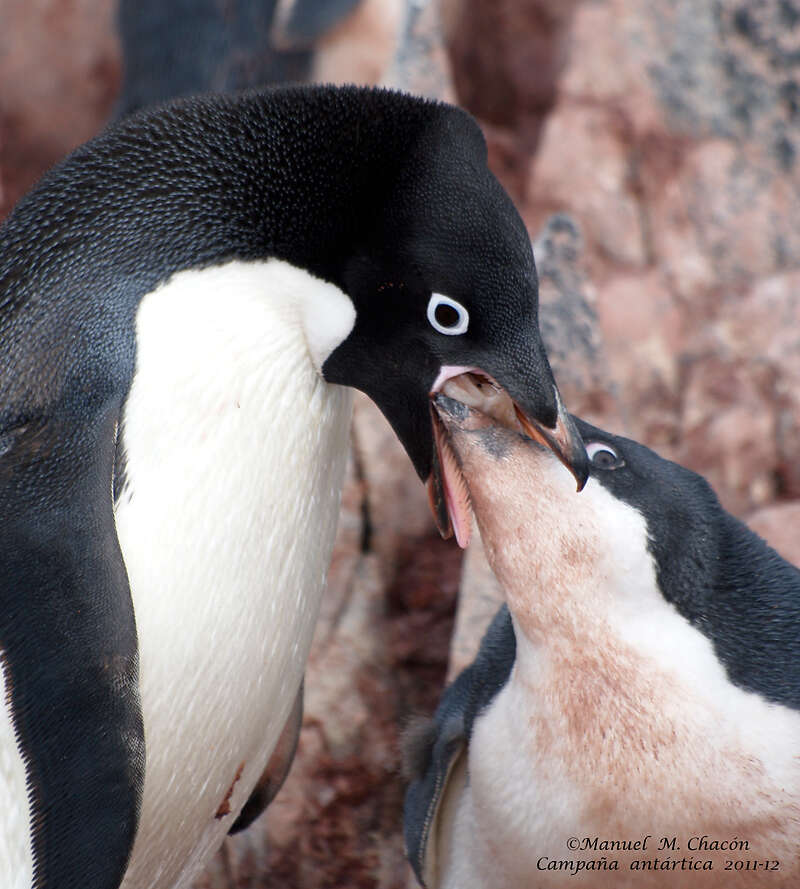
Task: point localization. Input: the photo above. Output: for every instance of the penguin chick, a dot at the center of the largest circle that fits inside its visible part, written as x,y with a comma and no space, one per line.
643,680
184,302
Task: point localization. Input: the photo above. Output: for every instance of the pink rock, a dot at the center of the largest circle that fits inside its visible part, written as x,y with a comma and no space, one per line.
59,74
779,525
495,47
644,333
361,48
568,319
729,433
734,219
741,408
593,186
765,326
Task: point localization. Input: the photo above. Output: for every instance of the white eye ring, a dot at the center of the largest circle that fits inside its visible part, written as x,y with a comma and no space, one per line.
436,301
597,447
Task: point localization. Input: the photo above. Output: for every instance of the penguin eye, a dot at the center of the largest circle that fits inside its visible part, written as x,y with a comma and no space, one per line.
446,315
603,456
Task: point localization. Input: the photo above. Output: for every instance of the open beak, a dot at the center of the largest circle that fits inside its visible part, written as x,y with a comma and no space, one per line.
563,439
451,513
447,492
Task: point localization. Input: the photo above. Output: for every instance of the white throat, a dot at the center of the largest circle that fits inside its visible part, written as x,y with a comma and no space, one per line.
235,449
618,719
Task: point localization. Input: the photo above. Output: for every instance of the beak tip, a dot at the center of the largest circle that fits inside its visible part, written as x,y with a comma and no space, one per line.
563,439
579,463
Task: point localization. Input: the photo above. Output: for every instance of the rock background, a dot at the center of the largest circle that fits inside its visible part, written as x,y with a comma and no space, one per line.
652,148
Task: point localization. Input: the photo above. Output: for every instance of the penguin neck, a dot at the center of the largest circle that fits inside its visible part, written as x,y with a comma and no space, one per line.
562,583
636,699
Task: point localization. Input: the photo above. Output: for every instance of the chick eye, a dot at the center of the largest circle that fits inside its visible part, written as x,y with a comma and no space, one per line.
446,315
603,456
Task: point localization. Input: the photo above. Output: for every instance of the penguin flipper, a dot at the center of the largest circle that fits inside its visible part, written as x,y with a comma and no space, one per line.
68,650
436,751
276,771
444,745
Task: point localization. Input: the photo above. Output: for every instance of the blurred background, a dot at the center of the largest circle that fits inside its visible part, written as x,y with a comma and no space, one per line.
651,147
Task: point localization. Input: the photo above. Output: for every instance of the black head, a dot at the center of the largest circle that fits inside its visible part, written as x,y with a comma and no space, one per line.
443,278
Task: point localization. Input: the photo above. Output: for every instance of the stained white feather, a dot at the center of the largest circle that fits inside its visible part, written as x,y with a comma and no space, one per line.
618,719
235,451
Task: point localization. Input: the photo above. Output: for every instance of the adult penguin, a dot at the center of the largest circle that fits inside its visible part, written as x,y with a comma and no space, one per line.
183,302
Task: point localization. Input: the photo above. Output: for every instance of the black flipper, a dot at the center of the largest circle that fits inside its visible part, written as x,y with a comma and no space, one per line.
276,771
68,641
433,751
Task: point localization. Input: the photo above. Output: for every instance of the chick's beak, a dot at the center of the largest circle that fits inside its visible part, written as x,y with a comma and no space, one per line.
563,439
447,493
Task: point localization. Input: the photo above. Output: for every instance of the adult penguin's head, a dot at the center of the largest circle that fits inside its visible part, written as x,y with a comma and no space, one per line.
443,281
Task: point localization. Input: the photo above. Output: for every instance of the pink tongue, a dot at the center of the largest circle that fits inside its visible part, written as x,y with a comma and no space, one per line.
456,496
460,519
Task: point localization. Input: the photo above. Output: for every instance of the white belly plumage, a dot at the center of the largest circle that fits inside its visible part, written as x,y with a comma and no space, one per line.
235,450
562,753
16,861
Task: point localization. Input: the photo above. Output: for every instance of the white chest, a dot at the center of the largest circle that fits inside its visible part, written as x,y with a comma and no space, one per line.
235,451
615,754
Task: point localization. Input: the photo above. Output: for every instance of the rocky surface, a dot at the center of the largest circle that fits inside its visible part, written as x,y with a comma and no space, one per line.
652,149
677,161
59,76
